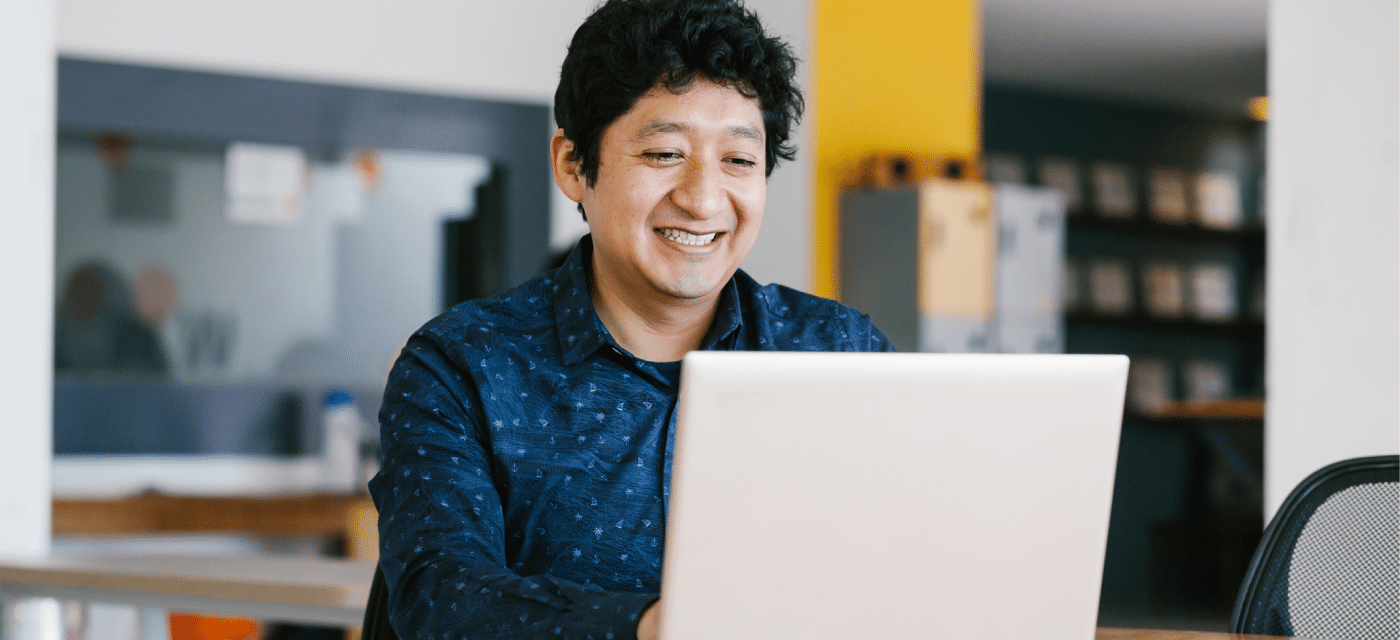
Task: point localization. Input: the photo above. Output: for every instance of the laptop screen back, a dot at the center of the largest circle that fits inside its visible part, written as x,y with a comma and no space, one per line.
820,495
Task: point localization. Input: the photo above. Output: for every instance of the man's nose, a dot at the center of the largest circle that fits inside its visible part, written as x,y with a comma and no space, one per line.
701,193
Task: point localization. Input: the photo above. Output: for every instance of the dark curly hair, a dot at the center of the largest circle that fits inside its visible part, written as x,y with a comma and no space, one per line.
627,47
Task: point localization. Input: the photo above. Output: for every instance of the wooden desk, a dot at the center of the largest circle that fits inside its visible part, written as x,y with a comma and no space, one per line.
321,591
350,517
301,590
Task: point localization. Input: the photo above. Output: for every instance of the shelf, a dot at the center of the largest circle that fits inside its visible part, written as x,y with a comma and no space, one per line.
1227,409
1138,321
1147,227
350,517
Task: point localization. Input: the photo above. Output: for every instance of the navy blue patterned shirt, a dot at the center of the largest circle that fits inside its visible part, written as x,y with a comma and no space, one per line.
527,456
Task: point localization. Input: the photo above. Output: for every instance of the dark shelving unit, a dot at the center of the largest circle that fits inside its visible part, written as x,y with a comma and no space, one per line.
1188,505
1141,321
1159,230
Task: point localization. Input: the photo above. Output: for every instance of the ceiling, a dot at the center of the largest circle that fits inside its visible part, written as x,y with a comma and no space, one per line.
1206,54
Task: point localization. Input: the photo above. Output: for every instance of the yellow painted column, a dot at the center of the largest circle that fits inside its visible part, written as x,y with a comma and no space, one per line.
890,76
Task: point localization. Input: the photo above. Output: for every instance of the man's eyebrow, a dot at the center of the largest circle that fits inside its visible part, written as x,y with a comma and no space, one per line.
658,127
745,131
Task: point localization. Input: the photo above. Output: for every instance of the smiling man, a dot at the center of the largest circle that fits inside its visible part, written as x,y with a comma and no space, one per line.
675,211
527,438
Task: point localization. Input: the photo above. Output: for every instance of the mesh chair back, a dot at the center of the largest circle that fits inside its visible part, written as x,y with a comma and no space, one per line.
376,625
1329,563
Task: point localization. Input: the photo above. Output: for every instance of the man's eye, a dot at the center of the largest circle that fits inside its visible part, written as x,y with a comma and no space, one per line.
663,156
743,162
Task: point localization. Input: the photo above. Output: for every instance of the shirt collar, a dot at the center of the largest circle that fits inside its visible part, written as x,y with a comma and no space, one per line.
581,332
728,316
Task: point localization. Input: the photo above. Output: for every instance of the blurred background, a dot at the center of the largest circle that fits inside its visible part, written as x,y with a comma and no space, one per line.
252,204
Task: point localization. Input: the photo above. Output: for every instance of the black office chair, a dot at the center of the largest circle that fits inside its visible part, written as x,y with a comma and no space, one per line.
1329,563
376,625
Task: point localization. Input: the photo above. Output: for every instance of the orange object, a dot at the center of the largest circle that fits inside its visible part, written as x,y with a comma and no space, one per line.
908,169
371,170
1258,108
114,147
188,627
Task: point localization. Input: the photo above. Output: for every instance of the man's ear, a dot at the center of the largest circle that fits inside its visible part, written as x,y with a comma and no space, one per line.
566,168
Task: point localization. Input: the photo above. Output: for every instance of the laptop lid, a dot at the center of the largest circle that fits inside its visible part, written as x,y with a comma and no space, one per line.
837,495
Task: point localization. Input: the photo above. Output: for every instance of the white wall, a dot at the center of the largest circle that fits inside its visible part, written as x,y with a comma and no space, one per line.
510,50
26,273
1333,352
497,49
783,252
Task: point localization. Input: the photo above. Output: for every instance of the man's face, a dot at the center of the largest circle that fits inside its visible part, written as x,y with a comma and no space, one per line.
679,196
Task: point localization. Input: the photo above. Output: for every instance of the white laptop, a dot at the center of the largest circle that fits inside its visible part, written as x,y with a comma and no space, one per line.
848,496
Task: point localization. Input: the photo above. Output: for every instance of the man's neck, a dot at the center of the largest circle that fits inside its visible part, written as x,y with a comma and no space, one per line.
652,330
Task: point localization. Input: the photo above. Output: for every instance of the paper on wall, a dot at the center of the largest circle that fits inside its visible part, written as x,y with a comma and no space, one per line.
264,183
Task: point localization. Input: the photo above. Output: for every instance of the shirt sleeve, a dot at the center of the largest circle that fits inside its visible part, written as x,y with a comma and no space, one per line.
878,341
441,524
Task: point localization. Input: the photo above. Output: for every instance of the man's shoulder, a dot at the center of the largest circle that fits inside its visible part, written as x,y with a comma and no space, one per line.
522,315
800,320
785,302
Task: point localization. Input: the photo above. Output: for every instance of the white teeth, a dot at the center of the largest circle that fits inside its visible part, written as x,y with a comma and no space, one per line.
688,238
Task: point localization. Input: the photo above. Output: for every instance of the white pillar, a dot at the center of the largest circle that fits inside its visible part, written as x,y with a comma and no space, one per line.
27,112
1333,352
27,104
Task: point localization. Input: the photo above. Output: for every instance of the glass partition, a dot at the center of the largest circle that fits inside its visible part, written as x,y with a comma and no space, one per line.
232,250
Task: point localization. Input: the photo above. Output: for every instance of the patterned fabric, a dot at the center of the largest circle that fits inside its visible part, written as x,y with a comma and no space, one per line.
527,456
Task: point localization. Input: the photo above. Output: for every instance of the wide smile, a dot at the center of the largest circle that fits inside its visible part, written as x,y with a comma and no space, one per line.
690,239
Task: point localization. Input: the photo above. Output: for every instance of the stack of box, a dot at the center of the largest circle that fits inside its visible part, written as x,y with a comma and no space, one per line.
956,266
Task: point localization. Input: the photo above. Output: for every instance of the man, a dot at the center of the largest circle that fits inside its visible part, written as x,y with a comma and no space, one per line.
527,438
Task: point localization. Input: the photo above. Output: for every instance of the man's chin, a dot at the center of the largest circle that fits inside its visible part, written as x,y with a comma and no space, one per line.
689,294
693,288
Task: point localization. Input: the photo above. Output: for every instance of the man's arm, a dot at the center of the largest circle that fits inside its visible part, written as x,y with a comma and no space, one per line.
878,341
442,530
650,624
